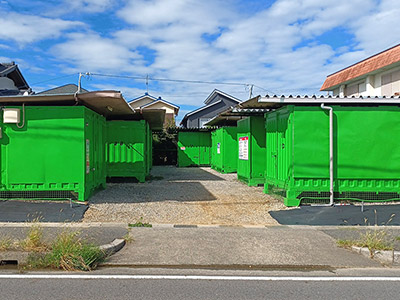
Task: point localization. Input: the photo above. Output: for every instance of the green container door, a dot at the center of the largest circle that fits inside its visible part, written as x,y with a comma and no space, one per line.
366,154
194,148
224,151
251,150
58,154
127,148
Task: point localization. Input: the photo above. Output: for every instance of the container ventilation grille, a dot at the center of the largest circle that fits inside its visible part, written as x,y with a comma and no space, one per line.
323,197
39,195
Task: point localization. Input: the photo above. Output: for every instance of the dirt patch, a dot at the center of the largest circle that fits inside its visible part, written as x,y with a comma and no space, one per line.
184,196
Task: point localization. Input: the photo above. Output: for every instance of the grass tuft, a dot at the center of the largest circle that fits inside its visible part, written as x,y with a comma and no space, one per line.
371,239
70,253
33,241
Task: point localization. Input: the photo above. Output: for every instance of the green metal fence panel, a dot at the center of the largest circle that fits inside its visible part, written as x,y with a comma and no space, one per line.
58,154
366,154
194,148
224,150
251,150
127,149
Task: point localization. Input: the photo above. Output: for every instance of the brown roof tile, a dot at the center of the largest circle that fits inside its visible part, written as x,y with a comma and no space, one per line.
365,66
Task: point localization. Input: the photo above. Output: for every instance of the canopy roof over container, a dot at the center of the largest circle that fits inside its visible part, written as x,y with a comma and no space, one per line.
110,104
274,102
231,116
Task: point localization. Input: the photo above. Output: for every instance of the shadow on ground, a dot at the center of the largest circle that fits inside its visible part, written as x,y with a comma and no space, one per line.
27,211
340,215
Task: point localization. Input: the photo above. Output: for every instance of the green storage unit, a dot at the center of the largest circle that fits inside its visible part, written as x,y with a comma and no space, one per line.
194,148
251,150
224,150
128,149
57,154
366,153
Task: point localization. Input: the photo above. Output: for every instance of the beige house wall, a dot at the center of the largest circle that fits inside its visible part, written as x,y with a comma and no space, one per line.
161,105
141,102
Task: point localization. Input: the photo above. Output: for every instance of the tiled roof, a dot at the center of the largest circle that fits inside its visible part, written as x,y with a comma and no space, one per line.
370,64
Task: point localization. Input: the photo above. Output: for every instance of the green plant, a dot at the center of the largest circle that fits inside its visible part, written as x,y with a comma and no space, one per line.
68,252
33,241
371,239
140,223
6,243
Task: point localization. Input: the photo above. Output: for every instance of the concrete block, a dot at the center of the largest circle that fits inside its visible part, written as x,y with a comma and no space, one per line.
356,249
385,257
365,251
396,258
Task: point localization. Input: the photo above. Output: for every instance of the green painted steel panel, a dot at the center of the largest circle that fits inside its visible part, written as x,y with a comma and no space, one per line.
251,147
127,149
224,151
60,150
194,148
366,153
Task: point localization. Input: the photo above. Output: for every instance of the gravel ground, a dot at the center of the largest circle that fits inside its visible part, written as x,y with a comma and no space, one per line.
184,196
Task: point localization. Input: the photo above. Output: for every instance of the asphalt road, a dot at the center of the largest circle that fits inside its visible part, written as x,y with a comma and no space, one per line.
195,287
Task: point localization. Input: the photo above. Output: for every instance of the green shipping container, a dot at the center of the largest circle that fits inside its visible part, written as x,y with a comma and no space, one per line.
224,150
251,150
57,154
128,149
194,148
366,153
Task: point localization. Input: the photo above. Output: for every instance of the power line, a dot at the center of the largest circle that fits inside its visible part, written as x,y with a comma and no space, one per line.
171,80
54,78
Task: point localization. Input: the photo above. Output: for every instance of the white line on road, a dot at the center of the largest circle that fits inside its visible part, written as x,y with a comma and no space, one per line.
193,277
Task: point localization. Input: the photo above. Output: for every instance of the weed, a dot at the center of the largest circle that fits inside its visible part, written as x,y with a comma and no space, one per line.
6,243
70,253
371,239
33,241
128,238
140,223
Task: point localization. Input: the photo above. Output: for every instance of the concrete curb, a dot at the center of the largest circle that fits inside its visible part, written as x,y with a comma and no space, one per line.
391,257
113,247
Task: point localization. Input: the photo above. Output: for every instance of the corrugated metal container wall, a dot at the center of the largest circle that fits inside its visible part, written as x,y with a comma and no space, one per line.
194,148
58,154
224,150
127,152
366,154
251,143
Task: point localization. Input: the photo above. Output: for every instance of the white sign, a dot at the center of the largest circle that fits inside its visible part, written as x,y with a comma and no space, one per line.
219,148
87,156
244,148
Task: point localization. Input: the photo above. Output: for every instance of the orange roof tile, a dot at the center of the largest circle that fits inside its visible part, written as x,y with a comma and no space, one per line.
375,62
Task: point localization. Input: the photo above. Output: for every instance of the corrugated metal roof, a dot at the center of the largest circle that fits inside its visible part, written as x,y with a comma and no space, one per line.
110,104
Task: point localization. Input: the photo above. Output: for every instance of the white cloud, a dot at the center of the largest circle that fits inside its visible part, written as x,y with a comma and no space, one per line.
25,29
276,48
80,6
90,52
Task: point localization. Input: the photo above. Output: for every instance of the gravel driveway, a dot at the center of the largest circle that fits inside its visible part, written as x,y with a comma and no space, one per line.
184,196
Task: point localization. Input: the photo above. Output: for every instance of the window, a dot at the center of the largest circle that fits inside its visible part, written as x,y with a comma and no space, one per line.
390,84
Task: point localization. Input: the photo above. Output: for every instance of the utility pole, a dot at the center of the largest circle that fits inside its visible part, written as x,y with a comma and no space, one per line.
147,83
251,91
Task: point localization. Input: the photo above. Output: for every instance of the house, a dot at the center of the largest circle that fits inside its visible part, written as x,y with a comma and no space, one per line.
378,75
11,81
147,102
215,103
63,90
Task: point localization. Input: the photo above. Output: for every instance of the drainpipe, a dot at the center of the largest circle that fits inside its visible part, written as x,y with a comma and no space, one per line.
330,151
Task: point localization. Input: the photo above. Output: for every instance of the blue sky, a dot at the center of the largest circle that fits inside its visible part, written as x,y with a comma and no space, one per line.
282,47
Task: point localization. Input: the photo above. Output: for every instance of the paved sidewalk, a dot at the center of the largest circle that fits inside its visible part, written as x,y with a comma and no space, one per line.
276,246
